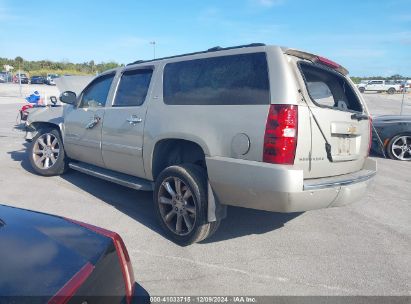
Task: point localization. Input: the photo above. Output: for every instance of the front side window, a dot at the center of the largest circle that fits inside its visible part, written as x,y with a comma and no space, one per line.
95,95
225,80
133,87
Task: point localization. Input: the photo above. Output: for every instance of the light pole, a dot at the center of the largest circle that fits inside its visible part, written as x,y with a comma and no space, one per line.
153,43
20,78
403,96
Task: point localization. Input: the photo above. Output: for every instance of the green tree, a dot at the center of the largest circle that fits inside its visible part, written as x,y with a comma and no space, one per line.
19,60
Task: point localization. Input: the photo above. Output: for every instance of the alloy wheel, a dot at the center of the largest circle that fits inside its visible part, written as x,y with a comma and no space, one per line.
46,151
177,206
401,148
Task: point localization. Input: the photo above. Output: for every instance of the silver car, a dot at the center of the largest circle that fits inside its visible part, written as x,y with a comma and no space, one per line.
255,126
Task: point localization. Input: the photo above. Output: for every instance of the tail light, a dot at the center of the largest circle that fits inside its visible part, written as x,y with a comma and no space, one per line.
370,140
328,62
280,138
122,253
70,288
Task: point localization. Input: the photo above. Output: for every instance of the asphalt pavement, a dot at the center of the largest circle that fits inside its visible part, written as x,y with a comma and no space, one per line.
361,249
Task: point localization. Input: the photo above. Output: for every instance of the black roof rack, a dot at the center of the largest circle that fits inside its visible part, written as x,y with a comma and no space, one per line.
213,49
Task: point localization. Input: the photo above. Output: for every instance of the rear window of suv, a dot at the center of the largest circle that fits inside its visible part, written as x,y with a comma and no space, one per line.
328,88
226,80
133,87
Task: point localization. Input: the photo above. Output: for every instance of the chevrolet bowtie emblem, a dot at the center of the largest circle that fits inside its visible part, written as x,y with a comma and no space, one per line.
351,129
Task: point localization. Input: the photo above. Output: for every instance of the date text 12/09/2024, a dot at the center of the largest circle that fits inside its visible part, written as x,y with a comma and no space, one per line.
203,299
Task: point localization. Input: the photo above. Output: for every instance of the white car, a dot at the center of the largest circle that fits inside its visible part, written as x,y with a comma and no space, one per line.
380,86
50,78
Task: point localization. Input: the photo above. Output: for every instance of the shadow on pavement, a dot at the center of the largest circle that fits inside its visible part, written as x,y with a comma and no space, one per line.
139,205
22,156
242,221
19,126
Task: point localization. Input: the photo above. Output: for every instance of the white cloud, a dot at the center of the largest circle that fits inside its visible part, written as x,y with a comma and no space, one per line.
360,53
404,17
131,41
268,3
5,14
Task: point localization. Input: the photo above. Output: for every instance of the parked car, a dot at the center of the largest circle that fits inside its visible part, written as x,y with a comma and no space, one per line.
405,85
390,87
3,77
23,77
255,126
392,136
37,80
51,259
50,78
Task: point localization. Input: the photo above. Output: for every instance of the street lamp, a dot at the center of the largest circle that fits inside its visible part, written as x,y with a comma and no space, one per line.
153,43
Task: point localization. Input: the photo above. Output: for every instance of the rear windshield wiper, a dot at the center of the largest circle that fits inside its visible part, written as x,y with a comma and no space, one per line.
327,144
359,116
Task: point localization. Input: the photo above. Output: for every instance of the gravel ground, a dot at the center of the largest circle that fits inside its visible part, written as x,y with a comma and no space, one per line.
361,249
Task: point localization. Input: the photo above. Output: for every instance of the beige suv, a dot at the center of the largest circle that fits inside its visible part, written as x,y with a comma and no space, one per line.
255,126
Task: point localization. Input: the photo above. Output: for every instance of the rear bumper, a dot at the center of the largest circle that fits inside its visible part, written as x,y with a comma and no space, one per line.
277,188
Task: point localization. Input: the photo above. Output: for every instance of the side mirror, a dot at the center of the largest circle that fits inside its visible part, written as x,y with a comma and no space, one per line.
68,97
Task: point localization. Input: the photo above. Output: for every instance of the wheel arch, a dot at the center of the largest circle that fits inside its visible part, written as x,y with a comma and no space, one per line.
175,151
35,126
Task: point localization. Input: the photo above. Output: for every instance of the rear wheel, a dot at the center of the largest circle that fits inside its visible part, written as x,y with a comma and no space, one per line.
391,91
399,147
47,155
180,198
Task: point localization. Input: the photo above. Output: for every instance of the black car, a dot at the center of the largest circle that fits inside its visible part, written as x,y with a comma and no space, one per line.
392,136
51,259
37,80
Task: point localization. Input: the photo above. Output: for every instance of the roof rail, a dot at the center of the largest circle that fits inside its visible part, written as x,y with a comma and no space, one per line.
213,49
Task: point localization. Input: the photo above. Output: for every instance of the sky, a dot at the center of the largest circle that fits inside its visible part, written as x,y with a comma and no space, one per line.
368,37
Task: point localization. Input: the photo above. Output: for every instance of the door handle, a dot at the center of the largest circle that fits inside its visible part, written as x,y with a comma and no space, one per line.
133,119
94,122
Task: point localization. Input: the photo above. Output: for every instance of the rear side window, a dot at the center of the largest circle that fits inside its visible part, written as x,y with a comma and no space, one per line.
328,88
227,80
133,87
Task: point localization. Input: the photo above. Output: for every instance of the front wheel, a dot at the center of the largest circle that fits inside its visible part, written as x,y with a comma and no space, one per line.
180,197
46,153
399,147
391,91
362,90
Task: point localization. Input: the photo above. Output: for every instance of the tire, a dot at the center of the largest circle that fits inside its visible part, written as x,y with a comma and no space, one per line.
399,147
391,91
362,90
47,144
180,192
